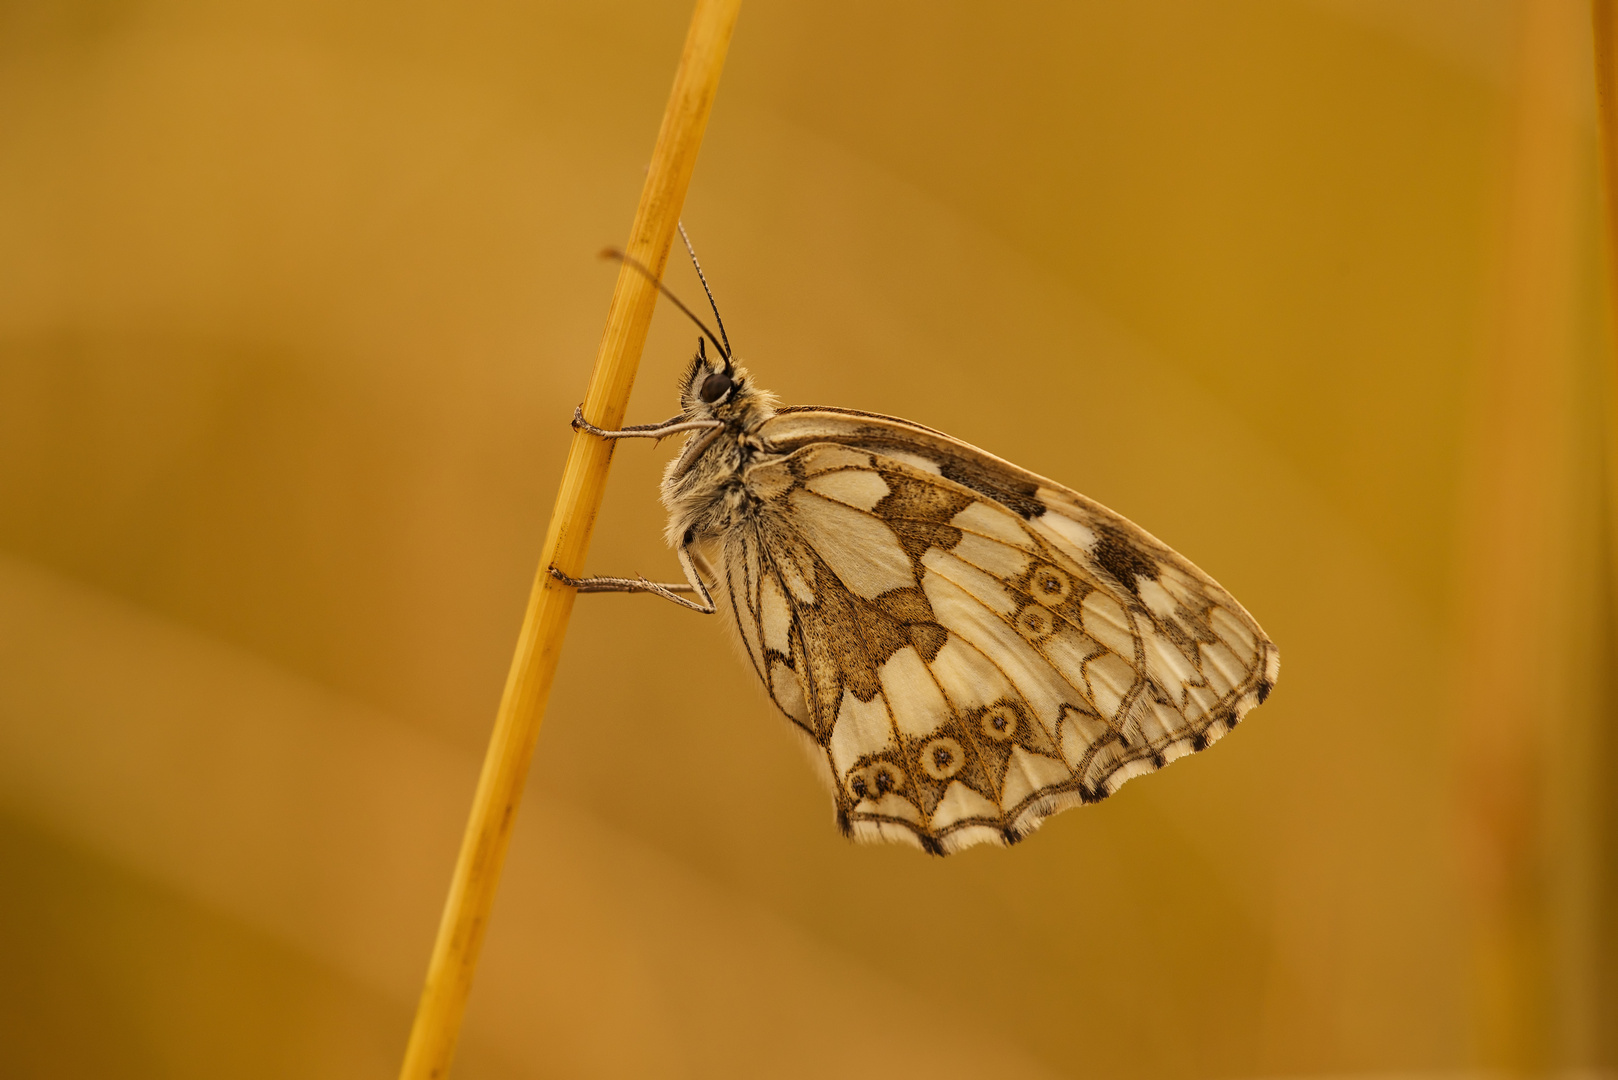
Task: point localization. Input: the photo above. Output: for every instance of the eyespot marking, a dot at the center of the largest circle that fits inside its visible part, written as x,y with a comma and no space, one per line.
942,758
999,722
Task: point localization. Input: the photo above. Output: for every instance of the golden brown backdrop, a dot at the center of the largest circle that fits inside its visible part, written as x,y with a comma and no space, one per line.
296,299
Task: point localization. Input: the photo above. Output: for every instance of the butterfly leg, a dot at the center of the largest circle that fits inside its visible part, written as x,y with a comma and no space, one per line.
692,584
672,426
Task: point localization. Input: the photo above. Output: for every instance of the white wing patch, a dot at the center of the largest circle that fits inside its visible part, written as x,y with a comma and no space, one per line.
972,648
961,803
856,487
830,456
967,676
858,548
863,729
774,620
913,695
986,520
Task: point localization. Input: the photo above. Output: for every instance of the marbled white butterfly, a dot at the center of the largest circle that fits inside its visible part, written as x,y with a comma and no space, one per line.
968,647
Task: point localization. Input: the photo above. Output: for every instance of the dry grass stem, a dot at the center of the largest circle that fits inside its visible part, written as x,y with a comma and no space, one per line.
533,668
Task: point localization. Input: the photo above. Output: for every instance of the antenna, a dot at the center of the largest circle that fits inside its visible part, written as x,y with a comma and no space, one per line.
627,260
691,251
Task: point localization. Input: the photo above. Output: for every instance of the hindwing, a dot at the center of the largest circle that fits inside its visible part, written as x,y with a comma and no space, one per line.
971,647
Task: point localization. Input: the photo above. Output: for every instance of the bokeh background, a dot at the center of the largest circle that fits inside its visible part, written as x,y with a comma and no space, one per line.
296,299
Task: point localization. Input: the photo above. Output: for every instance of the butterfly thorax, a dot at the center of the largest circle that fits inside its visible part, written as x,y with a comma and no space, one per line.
704,488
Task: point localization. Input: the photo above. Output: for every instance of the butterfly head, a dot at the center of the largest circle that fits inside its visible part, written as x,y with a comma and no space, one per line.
715,388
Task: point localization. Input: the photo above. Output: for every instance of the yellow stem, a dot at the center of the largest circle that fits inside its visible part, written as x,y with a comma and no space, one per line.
584,479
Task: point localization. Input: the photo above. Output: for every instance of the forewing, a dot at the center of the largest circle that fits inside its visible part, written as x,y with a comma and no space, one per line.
973,648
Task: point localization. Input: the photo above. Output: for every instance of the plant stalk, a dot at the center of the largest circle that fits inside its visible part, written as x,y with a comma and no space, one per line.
584,478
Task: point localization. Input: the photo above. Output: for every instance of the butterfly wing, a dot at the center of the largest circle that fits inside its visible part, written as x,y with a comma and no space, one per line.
970,647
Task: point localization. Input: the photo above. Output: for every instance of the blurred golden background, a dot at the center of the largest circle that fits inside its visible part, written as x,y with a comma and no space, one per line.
296,300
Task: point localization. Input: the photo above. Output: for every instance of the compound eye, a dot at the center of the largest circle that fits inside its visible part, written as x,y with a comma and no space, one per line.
715,387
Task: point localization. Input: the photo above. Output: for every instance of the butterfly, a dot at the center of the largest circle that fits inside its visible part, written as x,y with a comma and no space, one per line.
966,647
